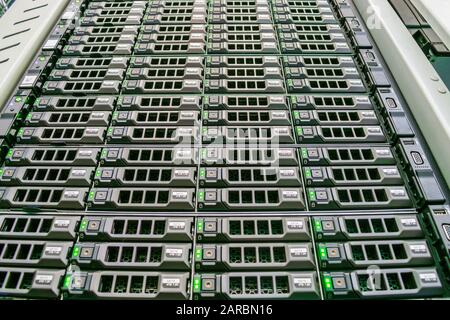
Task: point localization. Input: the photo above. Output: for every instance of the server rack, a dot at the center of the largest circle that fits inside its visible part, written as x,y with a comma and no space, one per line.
217,149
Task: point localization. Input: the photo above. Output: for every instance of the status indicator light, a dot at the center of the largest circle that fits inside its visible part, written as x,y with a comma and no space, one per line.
198,254
312,195
76,251
67,281
200,226
304,153
327,283
197,284
308,173
201,196
83,225
318,225
323,253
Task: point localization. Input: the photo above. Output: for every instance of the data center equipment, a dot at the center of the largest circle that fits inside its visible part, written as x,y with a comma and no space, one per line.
225,149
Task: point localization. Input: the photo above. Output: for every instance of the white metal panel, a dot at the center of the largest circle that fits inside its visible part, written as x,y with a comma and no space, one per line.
23,29
423,89
437,14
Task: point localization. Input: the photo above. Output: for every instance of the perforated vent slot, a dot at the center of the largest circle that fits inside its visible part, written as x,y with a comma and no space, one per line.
138,227
334,101
389,281
25,226
371,225
362,195
258,285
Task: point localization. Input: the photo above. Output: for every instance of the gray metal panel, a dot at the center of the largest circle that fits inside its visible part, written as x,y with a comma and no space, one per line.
423,89
23,29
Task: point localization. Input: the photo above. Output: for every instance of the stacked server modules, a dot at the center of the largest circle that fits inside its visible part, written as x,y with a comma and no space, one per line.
216,149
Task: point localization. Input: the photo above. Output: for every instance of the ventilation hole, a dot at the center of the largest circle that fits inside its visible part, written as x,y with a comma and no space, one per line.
22,21
16,33
9,47
38,7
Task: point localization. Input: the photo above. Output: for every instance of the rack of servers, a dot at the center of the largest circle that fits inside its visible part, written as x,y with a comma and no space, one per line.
216,149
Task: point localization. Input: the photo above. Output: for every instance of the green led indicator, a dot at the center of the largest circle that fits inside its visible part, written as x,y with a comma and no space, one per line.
42,58
312,195
289,82
203,153
110,130
201,196
293,99
323,253
20,132
1,172
10,153
115,115
200,225
205,114
29,116
83,225
299,131
91,195
67,281
304,153
308,173
198,254
18,99
327,283
296,114
205,130
318,225
76,252
197,284
104,153
202,173
98,173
